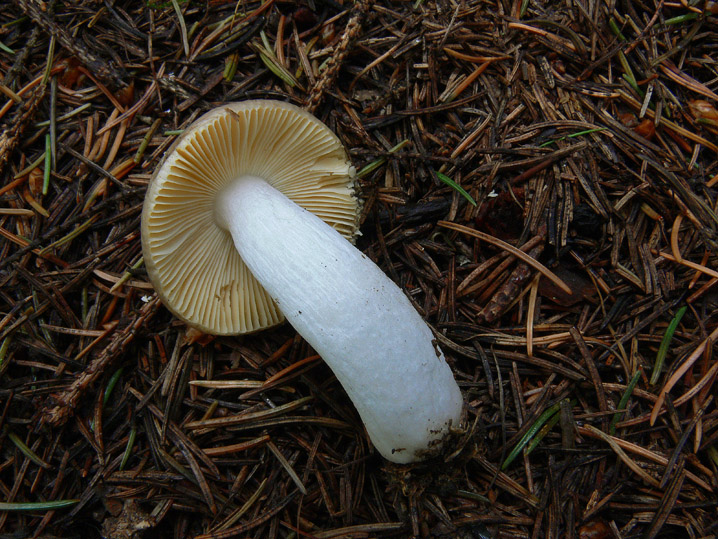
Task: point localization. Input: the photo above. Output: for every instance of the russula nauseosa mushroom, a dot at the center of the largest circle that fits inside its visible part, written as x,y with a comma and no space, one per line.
230,247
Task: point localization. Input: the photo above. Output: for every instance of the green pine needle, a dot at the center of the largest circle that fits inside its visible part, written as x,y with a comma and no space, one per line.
451,183
663,348
36,506
526,438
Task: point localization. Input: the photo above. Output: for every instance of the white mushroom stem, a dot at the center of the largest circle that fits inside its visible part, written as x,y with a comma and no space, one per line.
351,313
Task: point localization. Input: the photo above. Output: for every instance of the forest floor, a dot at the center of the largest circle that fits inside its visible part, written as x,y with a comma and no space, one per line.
582,134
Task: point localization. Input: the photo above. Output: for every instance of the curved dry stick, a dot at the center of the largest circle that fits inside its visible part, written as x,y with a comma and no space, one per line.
64,404
331,70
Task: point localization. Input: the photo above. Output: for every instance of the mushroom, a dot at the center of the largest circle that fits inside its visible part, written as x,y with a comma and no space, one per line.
248,219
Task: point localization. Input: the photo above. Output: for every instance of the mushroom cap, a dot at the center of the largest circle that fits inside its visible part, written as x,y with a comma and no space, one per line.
191,261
